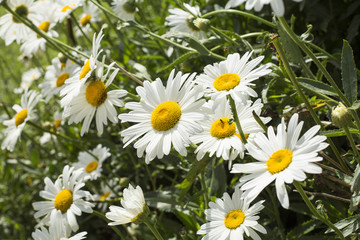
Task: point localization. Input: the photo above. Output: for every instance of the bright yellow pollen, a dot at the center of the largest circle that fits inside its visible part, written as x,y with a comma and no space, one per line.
238,135
222,129
226,81
279,160
86,68
20,117
63,200
165,116
104,196
67,7
85,20
92,166
57,124
96,93
61,79
63,65
234,219
44,26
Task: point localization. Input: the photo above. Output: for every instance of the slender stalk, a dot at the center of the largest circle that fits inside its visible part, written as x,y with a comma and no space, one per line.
352,143
296,85
276,212
313,210
237,120
326,195
102,216
327,75
80,28
245,14
258,120
205,189
156,233
127,73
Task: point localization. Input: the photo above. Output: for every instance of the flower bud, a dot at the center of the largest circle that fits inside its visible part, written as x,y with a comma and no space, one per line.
130,6
202,23
62,57
341,116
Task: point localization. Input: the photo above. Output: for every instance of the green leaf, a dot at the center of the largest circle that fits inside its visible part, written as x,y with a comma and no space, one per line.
338,132
179,60
348,72
355,105
303,229
315,86
348,225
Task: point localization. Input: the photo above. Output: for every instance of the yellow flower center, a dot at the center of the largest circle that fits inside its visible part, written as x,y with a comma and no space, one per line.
222,129
226,81
57,124
61,79
21,10
92,166
96,93
238,135
20,117
234,219
44,26
85,20
86,68
67,7
165,116
279,160
63,200
104,196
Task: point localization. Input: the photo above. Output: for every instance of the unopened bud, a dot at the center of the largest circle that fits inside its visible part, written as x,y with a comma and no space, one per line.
129,6
62,57
341,116
124,182
202,23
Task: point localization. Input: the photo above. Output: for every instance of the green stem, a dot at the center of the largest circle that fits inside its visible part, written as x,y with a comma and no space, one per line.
205,189
296,85
276,213
245,14
237,120
327,75
80,28
102,216
156,233
352,143
258,120
313,210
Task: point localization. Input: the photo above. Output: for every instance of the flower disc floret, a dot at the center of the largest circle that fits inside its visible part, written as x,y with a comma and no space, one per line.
61,79
85,69
21,10
20,117
279,161
96,93
85,20
63,200
234,219
92,166
226,81
165,116
222,129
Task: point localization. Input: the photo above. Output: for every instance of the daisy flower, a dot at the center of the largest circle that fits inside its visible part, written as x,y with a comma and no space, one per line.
95,100
233,77
27,79
12,29
65,7
55,77
92,166
282,157
106,193
276,5
65,196
34,43
230,218
24,112
55,232
134,207
90,15
73,84
125,9
182,21
165,117
220,134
